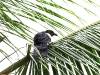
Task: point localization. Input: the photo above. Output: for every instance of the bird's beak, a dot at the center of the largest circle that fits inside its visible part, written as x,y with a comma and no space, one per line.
55,34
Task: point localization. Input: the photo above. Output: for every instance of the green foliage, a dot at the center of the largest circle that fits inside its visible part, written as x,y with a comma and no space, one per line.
75,54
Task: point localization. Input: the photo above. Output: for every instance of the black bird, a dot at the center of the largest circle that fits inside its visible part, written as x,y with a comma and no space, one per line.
41,41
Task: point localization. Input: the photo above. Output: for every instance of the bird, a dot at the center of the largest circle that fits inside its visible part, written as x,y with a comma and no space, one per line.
41,42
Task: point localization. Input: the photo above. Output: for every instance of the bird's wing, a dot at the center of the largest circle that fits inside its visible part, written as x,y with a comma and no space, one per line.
41,46
42,38
43,49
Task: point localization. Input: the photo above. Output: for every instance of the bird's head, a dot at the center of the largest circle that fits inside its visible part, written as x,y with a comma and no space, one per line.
51,32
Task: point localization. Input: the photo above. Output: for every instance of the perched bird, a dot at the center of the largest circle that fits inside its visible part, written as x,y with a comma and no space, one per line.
41,41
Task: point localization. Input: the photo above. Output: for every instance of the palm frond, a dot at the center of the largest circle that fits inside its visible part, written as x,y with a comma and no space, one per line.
76,54
72,54
79,49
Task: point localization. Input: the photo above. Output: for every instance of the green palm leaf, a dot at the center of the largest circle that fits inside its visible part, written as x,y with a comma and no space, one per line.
75,54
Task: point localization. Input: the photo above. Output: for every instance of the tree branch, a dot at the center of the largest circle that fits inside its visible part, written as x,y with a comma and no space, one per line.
16,65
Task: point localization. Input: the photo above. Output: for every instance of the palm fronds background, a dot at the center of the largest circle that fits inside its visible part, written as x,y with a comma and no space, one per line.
76,54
